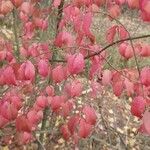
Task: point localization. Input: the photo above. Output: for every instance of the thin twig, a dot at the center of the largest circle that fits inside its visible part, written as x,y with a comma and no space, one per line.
117,42
41,137
15,33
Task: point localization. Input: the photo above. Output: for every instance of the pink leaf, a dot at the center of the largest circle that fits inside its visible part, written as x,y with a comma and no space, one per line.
114,11
65,132
41,23
34,117
96,65
126,50
129,87
74,89
29,71
90,115
123,33
58,74
75,63
41,101
56,3
106,78
23,124
143,130
56,102
145,51
9,76
145,10
111,32
118,88
9,111
72,123
96,89
145,76
43,67
25,137
87,21
50,90
3,121
66,108
146,121
120,2
64,38
84,129
27,8
138,106
133,3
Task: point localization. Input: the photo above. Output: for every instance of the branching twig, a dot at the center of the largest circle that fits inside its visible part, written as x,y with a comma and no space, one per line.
106,47
117,42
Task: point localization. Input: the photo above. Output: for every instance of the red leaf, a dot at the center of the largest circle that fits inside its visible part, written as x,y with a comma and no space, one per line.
27,8
17,3
34,117
23,124
58,74
145,10
9,76
3,121
96,65
9,111
25,137
41,101
65,132
133,3
90,115
72,123
146,121
87,21
56,3
56,102
111,32
138,106
129,87
75,63
64,38
143,130
118,88
114,11
145,76
43,67
123,33
66,108
84,129
41,23
145,50
5,7
120,2
126,50
29,71
74,89
50,90
16,101
96,89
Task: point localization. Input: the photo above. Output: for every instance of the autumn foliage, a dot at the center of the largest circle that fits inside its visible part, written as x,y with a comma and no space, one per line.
39,77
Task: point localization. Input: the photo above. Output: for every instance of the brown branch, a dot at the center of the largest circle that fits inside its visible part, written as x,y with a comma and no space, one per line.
106,47
116,42
15,34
